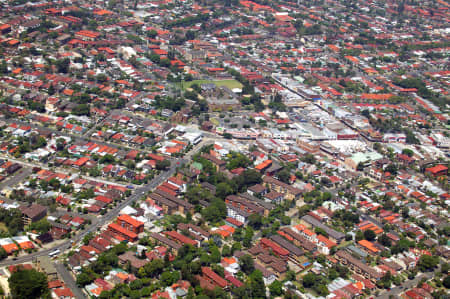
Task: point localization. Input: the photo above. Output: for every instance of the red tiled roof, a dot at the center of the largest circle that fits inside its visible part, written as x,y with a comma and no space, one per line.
277,249
234,221
214,277
130,220
104,199
122,230
64,293
181,238
436,169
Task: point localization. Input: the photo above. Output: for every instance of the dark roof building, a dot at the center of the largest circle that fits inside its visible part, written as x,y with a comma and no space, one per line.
293,250
32,213
333,234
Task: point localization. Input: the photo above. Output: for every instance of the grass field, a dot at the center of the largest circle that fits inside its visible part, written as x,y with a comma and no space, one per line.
3,227
227,83
215,121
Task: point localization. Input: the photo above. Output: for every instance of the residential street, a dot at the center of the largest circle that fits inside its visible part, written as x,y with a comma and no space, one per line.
17,177
69,281
96,225
113,213
66,171
405,286
236,148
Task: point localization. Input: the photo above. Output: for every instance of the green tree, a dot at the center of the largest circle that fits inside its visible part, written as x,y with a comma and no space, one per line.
427,262
3,67
51,89
408,152
42,226
155,58
401,246
169,277
88,238
384,240
54,183
101,78
162,165
164,62
226,250
215,254
446,282
257,287
445,267
238,160
248,178
190,35
84,278
359,236
385,281
28,284
94,172
309,280
332,274
108,158
255,221
60,144
405,212
247,264
154,268
152,34
284,175
248,236
321,289
276,288
136,284
81,109
309,158
223,190
369,235
216,211
411,138
3,253
320,231
63,65
392,168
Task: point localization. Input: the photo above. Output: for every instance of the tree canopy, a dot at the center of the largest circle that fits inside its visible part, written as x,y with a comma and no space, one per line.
28,284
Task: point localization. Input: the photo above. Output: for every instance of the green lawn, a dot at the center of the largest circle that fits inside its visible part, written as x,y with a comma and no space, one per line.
215,121
344,244
228,83
3,227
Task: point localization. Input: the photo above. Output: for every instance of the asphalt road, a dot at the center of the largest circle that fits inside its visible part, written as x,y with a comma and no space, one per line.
405,286
113,213
17,177
99,222
69,280
66,171
67,134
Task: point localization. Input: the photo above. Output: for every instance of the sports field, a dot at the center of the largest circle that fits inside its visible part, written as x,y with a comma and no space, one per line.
227,83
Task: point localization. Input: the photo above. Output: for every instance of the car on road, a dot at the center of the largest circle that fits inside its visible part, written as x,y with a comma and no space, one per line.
130,187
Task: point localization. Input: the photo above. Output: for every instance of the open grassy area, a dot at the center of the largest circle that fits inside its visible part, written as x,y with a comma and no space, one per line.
344,244
215,121
3,227
228,83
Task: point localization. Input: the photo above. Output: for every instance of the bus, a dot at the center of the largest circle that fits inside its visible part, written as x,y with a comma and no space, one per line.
54,253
